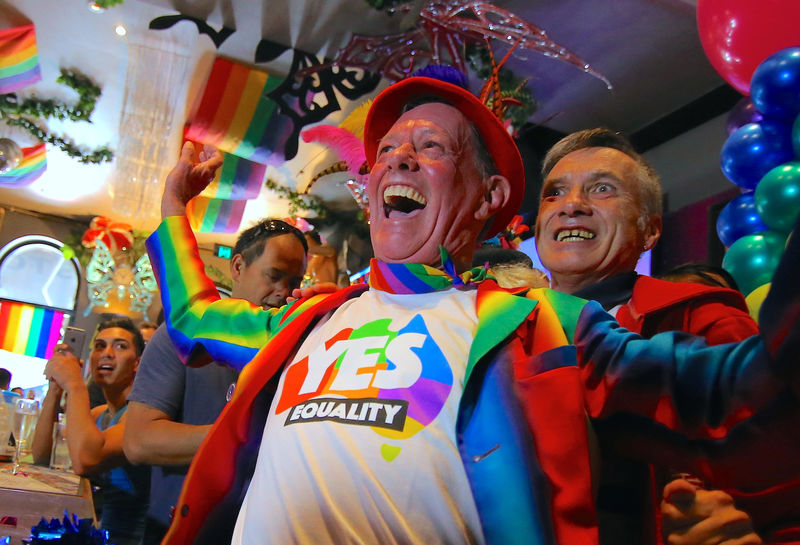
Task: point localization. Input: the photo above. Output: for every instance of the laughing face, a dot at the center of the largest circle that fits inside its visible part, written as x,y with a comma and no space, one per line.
113,358
427,190
590,224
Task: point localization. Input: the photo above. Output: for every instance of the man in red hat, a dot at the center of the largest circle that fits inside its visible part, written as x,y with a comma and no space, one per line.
432,406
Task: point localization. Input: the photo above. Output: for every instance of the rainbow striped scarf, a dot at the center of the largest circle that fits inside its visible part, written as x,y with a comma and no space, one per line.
408,278
19,62
32,166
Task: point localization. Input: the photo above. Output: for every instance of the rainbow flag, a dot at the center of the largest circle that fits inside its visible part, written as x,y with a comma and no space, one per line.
19,63
238,179
237,116
32,166
28,329
215,215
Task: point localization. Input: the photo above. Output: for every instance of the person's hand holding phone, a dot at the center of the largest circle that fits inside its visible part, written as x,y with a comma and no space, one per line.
63,369
65,366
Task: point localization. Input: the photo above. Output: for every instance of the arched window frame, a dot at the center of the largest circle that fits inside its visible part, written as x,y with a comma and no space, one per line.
28,240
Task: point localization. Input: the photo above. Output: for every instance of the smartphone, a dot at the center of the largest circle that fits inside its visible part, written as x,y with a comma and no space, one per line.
74,337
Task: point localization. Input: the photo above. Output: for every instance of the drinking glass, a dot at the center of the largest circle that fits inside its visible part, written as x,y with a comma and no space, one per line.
25,413
59,455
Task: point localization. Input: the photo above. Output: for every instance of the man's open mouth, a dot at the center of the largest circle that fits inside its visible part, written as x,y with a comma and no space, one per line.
403,199
573,235
105,367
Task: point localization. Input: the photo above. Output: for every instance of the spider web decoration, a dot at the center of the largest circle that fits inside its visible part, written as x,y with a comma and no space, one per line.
444,27
308,81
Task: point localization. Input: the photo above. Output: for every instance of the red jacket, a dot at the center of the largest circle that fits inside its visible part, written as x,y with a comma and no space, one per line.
720,315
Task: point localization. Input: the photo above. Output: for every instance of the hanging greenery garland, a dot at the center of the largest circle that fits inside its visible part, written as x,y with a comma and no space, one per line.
15,111
107,3
351,220
297,201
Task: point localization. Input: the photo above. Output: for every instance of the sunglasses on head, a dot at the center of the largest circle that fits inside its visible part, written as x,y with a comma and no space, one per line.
268,228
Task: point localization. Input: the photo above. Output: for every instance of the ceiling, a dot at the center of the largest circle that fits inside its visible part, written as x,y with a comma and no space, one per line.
648,49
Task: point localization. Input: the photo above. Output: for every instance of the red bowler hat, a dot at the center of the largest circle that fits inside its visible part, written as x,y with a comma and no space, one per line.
388,107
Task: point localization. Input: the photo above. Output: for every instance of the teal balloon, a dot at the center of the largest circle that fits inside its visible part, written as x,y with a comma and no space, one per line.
752,259
777,197
796,136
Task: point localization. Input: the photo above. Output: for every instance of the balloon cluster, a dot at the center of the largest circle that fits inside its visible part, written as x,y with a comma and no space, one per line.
762,156
753,46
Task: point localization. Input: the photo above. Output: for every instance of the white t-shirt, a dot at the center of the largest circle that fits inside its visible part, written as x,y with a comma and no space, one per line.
358,450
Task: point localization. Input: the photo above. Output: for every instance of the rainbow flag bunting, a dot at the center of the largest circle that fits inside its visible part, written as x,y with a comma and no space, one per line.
28,329
237,116
32,166
19,62
215,215
238,178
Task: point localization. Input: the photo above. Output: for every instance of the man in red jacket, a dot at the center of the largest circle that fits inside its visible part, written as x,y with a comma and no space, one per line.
600,209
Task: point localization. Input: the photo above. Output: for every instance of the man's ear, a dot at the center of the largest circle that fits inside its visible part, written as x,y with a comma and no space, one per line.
652,232
237,267
497,194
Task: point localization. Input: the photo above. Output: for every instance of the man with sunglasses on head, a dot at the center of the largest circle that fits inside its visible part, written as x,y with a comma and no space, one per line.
173,406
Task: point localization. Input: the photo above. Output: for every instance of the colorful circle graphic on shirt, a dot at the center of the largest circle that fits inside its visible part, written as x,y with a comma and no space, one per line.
393,381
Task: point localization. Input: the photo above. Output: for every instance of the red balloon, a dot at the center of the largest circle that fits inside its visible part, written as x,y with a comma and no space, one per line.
737,35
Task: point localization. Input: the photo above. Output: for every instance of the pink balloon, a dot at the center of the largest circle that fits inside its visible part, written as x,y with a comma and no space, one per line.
737,35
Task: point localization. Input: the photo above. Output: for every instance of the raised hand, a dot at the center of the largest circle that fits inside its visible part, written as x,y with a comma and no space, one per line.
188,178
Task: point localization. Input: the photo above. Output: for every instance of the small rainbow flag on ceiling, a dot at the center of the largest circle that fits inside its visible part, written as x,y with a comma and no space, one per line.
32,166
29,330
237,116
19,62
238,178
215,215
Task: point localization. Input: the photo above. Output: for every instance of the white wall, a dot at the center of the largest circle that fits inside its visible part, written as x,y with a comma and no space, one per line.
689,165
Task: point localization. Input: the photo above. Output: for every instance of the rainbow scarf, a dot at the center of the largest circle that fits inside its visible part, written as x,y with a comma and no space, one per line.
215,215
237,116
29,330
19,63
32,166
237,179
409,278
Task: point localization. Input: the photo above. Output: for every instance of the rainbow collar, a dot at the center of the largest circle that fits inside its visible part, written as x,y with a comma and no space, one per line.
409,278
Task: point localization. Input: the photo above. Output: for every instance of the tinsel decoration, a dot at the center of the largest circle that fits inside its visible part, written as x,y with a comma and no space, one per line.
17,112
443,29
69,532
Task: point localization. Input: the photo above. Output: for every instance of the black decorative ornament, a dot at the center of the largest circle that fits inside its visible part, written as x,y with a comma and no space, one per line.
292,95
267,50
168,21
